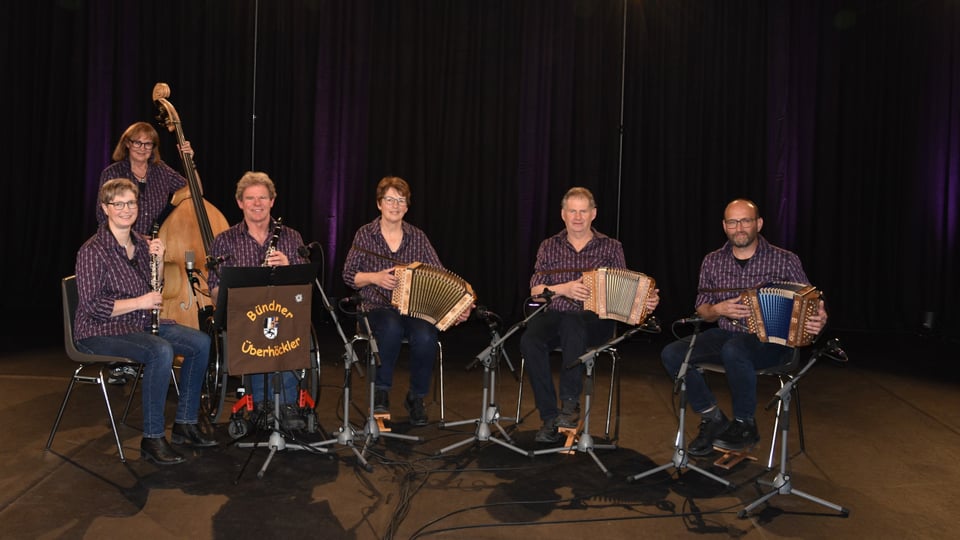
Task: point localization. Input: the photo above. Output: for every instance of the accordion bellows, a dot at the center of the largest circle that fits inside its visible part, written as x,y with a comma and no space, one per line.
433,294
618,293
780,310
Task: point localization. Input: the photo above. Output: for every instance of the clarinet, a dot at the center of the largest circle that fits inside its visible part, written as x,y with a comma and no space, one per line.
156,283
272,247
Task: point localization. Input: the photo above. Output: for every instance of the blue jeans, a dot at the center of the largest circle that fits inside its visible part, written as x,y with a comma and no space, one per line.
741,355
573,332
288,394
389,328
156,354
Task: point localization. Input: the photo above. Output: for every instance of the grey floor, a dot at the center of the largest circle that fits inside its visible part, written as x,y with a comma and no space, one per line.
881,431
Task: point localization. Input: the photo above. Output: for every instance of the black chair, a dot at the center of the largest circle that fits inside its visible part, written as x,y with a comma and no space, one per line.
784,373
100,363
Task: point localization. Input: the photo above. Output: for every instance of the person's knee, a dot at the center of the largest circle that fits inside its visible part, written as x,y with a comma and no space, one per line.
672,356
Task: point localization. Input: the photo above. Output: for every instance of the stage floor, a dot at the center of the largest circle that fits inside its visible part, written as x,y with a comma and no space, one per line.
882,440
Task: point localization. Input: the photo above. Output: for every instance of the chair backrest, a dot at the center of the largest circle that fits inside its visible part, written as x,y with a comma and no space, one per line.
68,288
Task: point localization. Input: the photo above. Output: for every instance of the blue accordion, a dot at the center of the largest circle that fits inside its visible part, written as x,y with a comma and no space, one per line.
780,311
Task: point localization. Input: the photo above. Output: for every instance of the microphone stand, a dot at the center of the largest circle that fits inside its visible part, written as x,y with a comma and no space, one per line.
680,459
489,410
584,440
782,484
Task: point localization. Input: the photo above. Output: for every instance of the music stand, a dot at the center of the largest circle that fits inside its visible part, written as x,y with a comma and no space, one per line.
680,459
253,277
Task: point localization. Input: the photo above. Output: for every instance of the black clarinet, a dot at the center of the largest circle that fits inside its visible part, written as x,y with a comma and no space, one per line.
272,247
156,282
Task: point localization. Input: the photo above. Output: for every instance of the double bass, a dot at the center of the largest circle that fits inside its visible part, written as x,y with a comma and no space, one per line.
190,226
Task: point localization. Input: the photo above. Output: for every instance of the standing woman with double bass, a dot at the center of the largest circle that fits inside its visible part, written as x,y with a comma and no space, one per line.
137,157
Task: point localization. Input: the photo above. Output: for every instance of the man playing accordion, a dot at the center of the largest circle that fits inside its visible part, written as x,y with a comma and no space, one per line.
744,262
561,261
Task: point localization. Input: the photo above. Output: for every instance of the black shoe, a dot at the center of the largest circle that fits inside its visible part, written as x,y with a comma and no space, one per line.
739,435
159,451
119,373
569,415
292,419
381,401
548,432
190,435
418,414
702,445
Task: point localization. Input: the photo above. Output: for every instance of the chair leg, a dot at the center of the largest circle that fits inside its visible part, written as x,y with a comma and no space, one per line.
520,390
63,406
796,401
440,366
133,392
100,381
173,377
614,388
113,423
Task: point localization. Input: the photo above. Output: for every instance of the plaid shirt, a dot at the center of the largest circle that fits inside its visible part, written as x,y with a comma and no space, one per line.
155,192
721,271
558,262
370,253
105,275
239,248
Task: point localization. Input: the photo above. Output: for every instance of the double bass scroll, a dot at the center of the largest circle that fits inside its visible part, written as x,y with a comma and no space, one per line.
190,226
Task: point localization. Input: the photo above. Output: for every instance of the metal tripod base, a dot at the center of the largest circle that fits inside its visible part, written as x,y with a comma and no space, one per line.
490,417
276,443
680,462
584,444
782,486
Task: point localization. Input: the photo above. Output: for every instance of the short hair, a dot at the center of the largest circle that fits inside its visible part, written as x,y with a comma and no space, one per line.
395,182
115,186
137,129
255,178
581,192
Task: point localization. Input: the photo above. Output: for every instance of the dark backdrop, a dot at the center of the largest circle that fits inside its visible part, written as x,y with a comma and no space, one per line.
840,118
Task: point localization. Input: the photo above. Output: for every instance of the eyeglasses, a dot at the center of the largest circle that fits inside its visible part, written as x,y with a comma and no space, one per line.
118,205
395,201
732,223
142,144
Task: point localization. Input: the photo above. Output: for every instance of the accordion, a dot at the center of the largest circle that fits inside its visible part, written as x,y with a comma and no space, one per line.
618,293
432,294
780,310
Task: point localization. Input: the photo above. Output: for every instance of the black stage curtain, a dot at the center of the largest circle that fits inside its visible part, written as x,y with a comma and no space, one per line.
841,119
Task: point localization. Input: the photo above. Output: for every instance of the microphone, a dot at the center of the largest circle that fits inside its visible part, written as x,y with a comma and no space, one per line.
546,294
695,319
189,259
833,350
352,302
213,262
307,250
482,313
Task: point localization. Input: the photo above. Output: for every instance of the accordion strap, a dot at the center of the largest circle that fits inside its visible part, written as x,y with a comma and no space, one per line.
378,255
563,271
730,289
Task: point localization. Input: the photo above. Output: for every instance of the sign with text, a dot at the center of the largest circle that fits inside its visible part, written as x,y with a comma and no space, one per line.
269,328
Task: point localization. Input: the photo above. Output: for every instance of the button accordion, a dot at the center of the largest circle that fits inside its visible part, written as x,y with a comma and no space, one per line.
433,294
780,310
618,293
